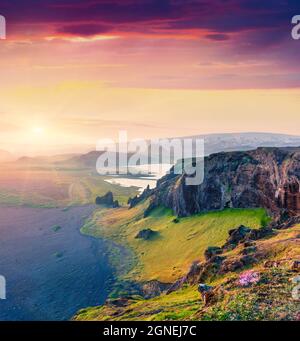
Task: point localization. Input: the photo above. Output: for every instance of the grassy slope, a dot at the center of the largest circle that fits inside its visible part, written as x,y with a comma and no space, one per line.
270,299
169,255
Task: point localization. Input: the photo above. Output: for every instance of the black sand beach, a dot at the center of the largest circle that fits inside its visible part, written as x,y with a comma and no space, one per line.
51,269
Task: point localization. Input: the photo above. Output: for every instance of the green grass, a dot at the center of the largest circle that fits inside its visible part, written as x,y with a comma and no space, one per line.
269,299
178,244
180,305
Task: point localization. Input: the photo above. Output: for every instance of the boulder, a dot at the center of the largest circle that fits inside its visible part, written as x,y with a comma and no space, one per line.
245,235
248,260
236,236
146,234
116,204
211,267
212,251
231,266
261,233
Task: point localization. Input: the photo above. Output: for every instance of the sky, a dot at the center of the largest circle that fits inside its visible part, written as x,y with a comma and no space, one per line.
73,72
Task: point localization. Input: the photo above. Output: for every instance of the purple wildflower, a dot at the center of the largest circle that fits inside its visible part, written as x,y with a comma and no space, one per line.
248,277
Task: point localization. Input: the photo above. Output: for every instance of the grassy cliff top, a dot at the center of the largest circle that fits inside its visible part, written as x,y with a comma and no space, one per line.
177,242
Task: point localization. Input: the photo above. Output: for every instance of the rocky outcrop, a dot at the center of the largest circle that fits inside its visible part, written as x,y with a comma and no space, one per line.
132,202
216,263
118,302
265,177
245,235
146,234
212,251
107,200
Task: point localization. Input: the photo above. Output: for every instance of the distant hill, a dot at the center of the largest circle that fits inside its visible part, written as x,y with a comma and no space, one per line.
215,143
44,160
88,160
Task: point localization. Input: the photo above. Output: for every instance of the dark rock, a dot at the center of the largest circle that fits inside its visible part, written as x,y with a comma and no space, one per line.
146,234
261,233
249,250
211,267
216,260
132,202
231,266
245,235
118,302
107,200
212,251
286,222
116,204
248,260
236,236
249,243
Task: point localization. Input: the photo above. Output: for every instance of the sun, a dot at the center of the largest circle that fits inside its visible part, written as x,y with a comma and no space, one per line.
38,130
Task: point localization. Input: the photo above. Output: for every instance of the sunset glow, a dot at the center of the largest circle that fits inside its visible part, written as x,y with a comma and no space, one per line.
174,69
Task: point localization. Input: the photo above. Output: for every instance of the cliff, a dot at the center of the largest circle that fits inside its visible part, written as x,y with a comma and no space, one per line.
266,177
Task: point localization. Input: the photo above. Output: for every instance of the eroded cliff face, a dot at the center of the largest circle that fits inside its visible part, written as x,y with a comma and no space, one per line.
265,177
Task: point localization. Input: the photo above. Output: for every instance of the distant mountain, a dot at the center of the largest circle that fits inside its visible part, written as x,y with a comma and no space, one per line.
215,143
44,160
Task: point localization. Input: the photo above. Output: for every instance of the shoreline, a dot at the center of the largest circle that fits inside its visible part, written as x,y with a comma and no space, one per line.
51,273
